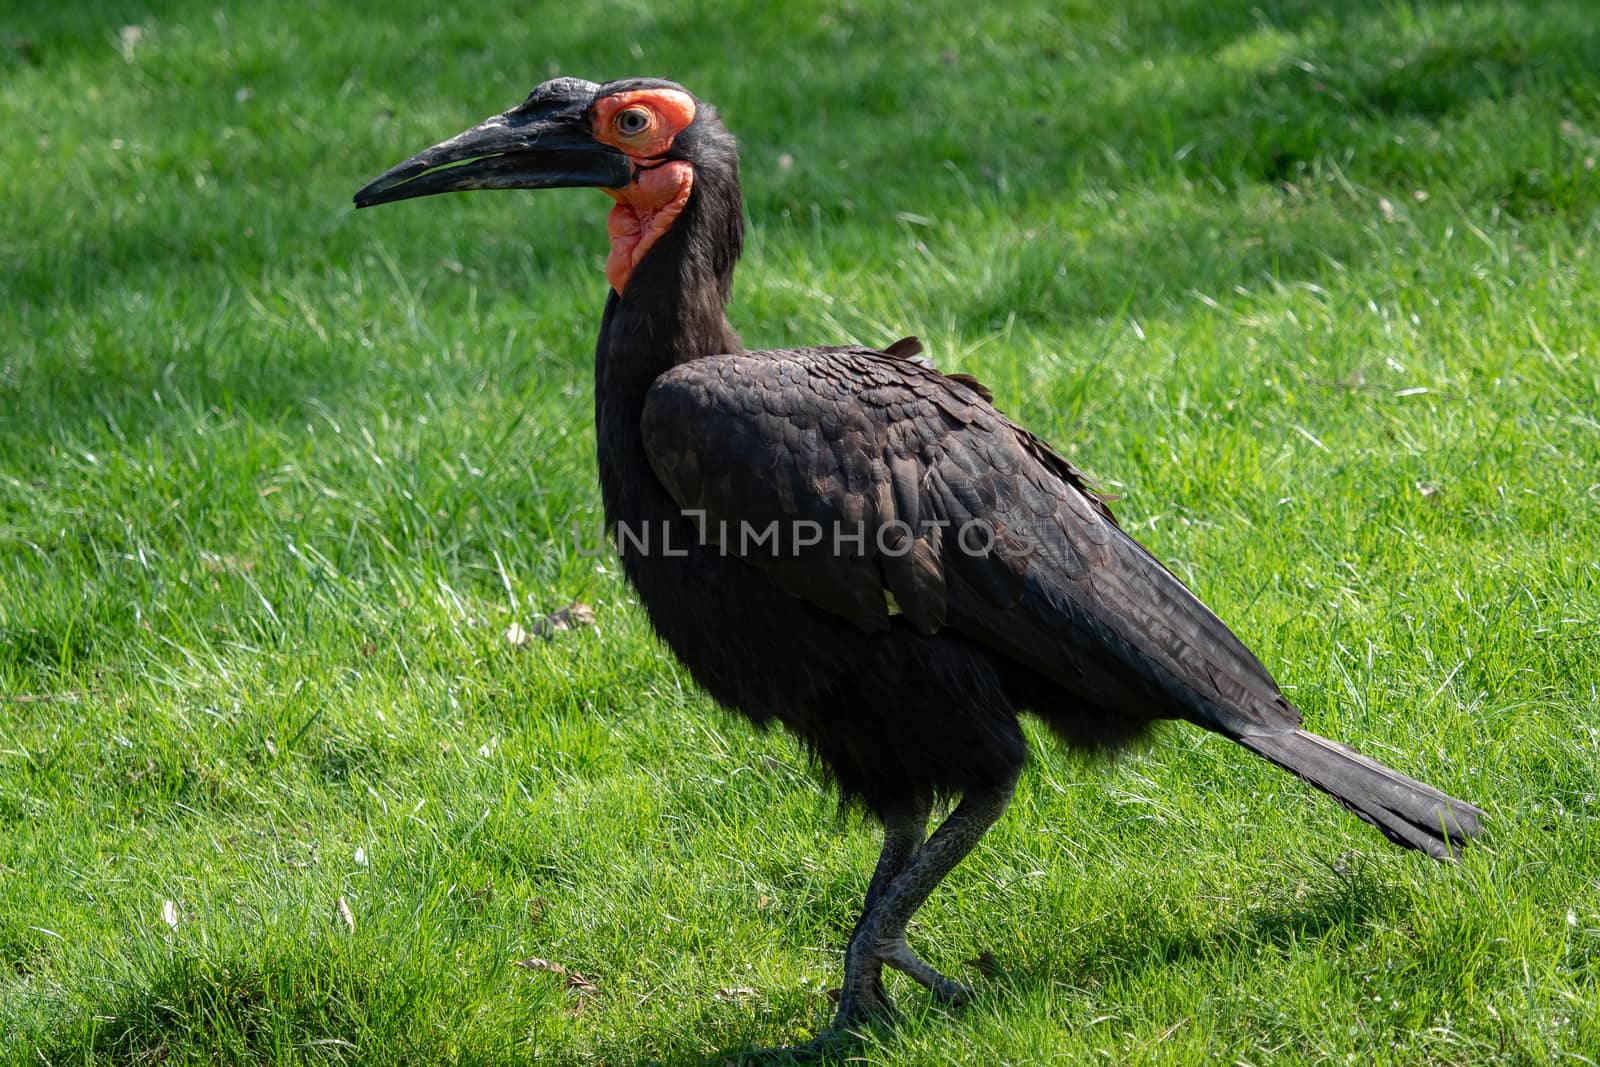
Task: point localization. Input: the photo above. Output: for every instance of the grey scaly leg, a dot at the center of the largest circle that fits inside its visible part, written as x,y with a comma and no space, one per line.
880,936
902,836
899,955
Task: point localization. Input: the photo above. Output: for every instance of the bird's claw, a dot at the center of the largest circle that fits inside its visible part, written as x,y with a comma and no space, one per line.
863,1006
952,994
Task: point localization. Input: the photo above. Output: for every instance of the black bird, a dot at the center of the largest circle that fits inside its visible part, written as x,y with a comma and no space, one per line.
852,544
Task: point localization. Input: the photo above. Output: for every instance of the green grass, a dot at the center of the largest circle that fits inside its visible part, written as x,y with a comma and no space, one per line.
1312,287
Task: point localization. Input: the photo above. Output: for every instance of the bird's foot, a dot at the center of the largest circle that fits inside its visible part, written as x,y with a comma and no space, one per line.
863,1004
834,1043
831,1045
859,1012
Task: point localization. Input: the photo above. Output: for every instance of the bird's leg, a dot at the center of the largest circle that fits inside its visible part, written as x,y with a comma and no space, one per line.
880,936
903,834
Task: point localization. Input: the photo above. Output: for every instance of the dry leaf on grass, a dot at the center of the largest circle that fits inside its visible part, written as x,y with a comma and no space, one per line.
535,963
128,39
48,698
479,897
572,617
573,978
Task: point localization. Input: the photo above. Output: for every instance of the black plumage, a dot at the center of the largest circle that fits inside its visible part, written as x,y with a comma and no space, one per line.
965,573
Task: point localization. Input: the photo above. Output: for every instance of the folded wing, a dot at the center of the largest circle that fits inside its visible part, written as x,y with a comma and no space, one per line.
870,484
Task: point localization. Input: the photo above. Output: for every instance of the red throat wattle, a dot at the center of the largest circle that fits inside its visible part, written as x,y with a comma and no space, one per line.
644,211
643,123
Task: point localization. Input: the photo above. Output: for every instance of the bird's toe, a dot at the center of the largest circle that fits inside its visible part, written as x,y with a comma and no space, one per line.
894,952
829,1046
867,1007
952,994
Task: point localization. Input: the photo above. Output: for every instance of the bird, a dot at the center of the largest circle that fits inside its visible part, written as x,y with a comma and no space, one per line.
845,541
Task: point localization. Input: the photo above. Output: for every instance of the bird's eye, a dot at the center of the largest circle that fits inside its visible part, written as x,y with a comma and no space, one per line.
633,121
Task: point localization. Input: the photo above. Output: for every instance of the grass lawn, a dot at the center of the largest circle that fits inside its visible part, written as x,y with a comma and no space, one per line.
1312,287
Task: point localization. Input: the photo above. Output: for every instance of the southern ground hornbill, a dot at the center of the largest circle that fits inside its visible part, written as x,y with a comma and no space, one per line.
861,548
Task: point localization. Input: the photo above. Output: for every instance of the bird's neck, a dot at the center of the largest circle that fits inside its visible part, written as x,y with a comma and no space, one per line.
663,318
673,309
672,305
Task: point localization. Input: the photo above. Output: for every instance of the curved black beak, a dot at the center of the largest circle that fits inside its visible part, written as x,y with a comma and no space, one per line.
542,143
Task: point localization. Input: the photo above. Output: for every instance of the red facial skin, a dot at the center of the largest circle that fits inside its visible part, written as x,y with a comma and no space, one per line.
647,208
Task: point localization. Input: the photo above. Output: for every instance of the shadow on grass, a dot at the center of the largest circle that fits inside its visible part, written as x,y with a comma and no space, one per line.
1337,906
1147,942
1341,905
241,1008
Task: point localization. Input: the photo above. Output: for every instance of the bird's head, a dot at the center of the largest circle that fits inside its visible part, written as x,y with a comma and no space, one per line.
642,140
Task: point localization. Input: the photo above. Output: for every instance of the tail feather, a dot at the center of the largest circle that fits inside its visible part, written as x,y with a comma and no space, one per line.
1406,811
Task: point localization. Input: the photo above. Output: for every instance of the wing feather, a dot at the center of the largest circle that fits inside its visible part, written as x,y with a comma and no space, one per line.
950,514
